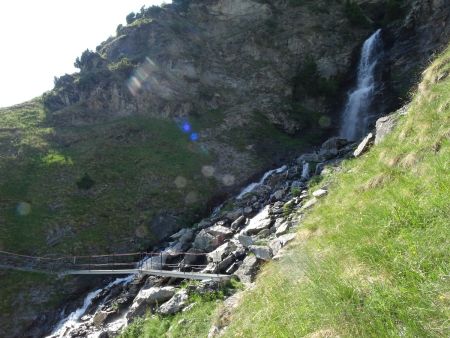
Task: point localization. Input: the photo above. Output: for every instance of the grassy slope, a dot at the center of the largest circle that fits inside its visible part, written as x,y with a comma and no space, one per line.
372,260
129,159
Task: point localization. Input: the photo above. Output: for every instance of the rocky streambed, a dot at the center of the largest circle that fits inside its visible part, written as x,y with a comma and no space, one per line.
240,236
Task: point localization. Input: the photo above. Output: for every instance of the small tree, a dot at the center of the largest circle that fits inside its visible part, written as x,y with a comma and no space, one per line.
130,18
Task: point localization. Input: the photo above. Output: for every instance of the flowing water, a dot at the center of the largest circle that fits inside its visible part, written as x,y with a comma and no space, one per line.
255,185
72,321
357,113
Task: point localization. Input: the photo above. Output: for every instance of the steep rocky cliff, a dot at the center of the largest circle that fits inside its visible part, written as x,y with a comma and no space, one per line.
180,108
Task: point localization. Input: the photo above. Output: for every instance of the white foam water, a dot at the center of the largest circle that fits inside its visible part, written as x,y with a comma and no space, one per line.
255,185
72,321
356,115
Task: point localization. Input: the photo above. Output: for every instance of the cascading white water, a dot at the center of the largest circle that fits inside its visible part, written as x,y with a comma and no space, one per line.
72,321
253,186
356,116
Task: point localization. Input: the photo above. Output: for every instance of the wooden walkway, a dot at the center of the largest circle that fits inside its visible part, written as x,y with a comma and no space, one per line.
163,264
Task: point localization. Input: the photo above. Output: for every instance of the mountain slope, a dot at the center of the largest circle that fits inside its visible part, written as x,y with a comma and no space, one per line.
372,259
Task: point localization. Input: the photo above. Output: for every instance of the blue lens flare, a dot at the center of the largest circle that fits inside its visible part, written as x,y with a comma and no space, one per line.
194,137
186,127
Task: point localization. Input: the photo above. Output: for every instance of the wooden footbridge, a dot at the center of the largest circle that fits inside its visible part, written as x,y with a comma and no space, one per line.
164,264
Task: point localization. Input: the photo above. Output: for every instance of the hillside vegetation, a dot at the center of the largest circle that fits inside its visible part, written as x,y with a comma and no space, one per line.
372,260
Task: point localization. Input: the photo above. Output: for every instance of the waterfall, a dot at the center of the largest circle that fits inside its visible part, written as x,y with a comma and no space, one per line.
255,185
72,321
357,115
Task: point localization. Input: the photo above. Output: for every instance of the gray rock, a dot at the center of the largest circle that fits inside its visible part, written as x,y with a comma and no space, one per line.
247,271
385,125
320,193
298,185
282,229
310,203
278,195
248,210
219,231
233,268
221,252
101,317
319,168
278,243
331,147
238,222
184,235
149,297
205,242
306,171
313,157
235,214
264,233
261,221
246,241
364,145
262,252
193,257
175,304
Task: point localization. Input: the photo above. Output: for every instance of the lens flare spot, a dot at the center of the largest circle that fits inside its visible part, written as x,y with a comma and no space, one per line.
180,182
191,197
186,127
194,137
228,180
141,231
208,171
23,208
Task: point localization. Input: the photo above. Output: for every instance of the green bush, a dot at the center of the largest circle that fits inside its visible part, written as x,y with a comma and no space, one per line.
308,81
355,14
85,183
394,11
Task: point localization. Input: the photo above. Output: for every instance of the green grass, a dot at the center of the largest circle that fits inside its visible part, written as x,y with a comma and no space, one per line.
133,161
372,259
195,322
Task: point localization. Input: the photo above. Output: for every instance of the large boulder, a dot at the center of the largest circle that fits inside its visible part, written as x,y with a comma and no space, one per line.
175,304
185,235
221,252
262,252
147,298
364,145
238,222
219,231
331,147
245,240
260,222
247,271
386,124
278,243
320,193
205,242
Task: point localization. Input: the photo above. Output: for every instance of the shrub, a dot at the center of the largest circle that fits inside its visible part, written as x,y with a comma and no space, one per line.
130,18
354,14
85,183
394,11
181,5
309,82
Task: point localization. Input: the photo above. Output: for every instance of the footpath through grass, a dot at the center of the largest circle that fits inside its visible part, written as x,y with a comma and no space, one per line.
372,260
